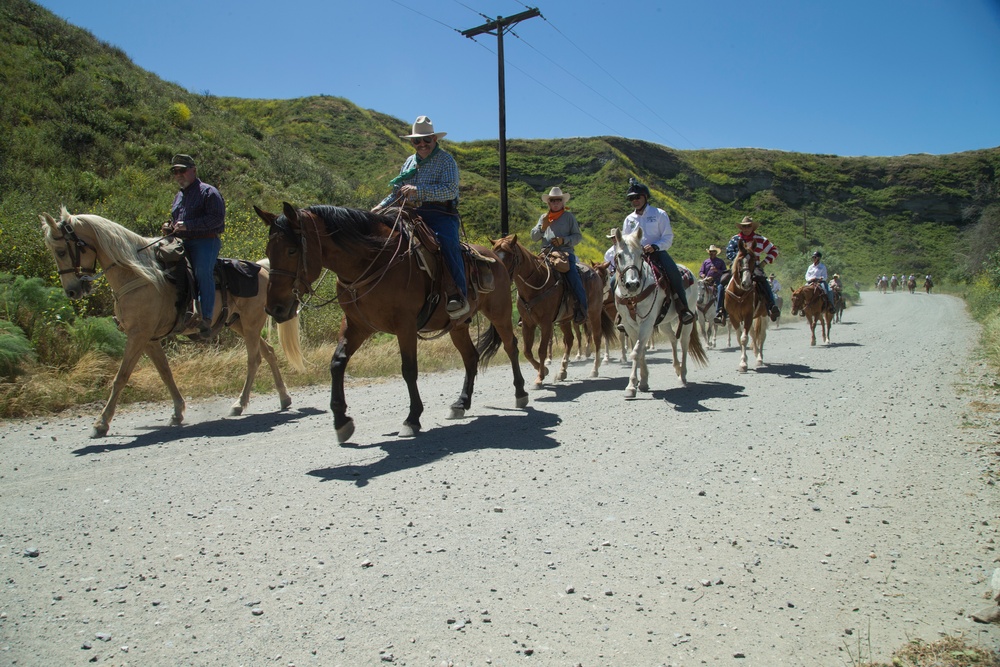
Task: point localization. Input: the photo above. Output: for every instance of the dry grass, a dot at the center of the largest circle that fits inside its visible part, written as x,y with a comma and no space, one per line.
947,652
201,371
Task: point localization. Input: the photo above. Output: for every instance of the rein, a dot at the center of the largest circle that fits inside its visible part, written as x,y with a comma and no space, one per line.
632,302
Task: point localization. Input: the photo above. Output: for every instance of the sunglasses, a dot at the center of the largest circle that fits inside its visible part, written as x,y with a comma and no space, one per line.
416,141
552,199
634,197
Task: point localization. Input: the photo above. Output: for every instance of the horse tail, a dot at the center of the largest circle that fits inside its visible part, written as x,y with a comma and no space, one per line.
487,345
288,336
608,330
759,326
695,349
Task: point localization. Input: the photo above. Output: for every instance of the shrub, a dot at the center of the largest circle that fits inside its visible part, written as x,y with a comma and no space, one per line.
14,349
99,334
179,115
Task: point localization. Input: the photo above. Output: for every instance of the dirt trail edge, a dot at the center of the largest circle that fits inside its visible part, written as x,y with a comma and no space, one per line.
834,500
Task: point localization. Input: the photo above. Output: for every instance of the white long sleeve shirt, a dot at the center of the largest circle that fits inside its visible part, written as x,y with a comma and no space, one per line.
655,225
816,271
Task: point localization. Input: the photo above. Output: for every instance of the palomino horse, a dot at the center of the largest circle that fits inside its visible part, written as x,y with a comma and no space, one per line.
640,300
911,285
543,300
382,287
746,307
705,311
145,305
811,301
893,283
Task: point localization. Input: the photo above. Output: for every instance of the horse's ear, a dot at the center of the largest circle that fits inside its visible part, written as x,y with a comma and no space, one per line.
289,211
616,234
513,238
269,218
48,220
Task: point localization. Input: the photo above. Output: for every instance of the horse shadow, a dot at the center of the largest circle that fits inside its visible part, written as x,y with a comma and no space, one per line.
524,429
835,344
690,398
569,390
225,427
792,371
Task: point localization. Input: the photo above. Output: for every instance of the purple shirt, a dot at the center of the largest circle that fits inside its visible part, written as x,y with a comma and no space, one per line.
712,268
202,209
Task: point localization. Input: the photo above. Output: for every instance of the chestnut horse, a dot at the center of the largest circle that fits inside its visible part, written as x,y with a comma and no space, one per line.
746,307
145,305
544,298
811,301
639,301
382,287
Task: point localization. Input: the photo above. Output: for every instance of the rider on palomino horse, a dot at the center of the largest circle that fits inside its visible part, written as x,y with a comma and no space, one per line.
766,253
816,273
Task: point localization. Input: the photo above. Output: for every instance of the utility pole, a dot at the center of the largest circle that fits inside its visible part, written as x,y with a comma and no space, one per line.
500,26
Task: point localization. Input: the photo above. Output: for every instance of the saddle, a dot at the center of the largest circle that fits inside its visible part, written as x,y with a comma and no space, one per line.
424,244
236,277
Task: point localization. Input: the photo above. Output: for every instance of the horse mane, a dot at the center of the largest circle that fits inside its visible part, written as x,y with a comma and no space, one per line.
352,226
121,244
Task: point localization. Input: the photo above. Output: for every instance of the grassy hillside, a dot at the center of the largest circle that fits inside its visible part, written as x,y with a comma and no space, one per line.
81,125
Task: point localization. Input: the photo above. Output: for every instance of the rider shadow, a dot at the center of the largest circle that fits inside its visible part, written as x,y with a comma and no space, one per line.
791,371
569,390
526,429
690,398
226,427
835,344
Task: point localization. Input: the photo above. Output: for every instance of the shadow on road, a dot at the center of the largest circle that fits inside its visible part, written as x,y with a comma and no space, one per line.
526,429
791,371
569,390
228,427
690,398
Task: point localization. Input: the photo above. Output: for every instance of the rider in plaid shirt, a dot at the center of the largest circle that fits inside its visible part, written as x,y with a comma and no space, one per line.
766,253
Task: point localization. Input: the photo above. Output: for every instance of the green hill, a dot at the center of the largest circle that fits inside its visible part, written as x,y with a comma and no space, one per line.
81,125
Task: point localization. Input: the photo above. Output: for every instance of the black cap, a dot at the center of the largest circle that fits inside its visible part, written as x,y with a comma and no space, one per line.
817,254
636,188
181,160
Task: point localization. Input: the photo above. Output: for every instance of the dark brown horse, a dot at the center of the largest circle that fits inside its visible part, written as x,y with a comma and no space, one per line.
811,301
747,308
382,287
543,300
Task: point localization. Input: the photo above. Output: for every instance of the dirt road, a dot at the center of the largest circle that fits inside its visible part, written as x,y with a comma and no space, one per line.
832,501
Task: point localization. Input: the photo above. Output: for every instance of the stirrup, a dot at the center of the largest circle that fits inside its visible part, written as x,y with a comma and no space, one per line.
720,317
457,307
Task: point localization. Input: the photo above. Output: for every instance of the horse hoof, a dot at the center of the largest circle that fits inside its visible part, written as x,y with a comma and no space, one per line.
630,393
345,431
594,374
643,387
408,430
456,413
521,401
99,432
538,384
561,376
286,402
176,421
236,410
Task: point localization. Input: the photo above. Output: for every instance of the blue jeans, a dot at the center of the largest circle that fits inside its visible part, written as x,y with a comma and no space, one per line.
575,283
203,253
445,227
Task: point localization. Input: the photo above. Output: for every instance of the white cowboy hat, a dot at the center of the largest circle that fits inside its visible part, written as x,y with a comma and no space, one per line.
423,127
558,194
714,248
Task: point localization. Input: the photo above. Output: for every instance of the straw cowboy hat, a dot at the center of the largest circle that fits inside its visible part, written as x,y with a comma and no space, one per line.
558,194
714,248
423,127
750,222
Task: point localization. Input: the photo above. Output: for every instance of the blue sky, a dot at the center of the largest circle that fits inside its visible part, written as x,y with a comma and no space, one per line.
853,77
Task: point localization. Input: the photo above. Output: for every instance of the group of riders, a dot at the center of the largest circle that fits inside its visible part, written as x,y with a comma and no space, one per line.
883,282
428,182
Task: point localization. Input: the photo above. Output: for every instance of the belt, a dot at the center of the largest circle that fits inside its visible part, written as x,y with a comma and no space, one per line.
446,206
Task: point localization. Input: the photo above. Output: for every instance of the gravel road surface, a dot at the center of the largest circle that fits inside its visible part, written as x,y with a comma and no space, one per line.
830,505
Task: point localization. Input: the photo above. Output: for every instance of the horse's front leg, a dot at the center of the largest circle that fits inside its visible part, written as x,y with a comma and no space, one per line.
812,331
159,358
407,341
528,335
543,348
350,340
470,359
743,334
134,350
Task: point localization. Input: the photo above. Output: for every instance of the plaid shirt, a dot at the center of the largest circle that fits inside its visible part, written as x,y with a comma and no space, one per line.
436,179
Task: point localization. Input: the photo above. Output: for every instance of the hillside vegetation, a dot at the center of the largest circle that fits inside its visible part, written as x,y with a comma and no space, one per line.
80,124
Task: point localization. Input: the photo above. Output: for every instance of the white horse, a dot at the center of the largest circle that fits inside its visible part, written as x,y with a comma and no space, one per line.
639,301
705,311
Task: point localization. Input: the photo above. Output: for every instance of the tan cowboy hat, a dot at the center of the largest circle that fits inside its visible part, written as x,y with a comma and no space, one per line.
714,248
423,127
558,194
749,222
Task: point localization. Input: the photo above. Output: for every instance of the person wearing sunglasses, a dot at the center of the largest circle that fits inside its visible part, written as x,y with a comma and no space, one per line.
558,229
657,237
198,218
428,181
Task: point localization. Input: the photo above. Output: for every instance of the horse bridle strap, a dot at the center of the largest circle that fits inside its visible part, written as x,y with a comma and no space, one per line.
631,302
76,247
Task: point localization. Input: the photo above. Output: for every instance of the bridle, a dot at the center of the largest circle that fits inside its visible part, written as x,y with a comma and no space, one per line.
632,301
76,247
